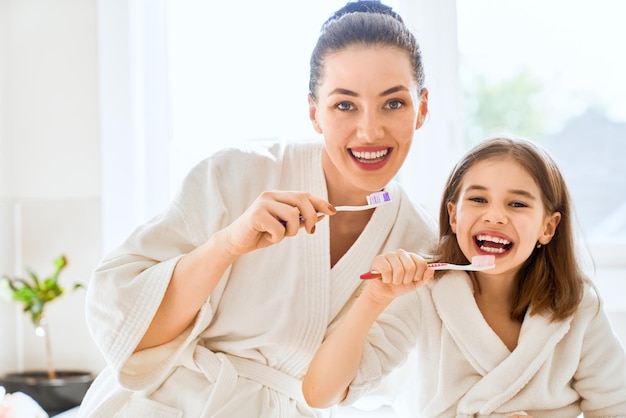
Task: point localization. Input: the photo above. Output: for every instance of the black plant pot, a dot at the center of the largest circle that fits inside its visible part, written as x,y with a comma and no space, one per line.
54,395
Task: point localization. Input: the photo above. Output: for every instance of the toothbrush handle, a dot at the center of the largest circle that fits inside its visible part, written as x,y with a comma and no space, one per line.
343,209
433,266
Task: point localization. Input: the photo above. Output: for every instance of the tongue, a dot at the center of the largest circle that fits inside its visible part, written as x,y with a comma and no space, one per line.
491,244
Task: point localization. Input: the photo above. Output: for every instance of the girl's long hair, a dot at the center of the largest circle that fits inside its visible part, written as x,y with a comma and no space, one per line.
550,280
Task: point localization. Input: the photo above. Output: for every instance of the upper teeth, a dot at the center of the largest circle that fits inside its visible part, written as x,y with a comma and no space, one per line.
370,155
493,239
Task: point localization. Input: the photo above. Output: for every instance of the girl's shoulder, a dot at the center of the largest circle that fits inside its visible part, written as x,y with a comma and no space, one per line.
591,302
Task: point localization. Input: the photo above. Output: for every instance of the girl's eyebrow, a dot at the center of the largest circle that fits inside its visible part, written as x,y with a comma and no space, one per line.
355,94
519,192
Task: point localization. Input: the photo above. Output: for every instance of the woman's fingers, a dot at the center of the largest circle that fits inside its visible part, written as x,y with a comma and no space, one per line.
295,210
273,216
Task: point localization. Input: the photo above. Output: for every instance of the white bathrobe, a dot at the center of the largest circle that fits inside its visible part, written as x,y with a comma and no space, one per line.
253,339
558,370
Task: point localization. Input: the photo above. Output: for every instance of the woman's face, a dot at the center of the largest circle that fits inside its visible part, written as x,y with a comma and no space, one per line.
367,109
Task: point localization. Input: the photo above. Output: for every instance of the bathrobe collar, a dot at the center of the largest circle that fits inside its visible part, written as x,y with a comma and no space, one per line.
502,373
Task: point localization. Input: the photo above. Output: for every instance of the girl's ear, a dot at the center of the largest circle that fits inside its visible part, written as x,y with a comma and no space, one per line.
422,109
549,228
452,216
313,115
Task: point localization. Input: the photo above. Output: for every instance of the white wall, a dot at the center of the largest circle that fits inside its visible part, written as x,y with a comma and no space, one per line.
50,169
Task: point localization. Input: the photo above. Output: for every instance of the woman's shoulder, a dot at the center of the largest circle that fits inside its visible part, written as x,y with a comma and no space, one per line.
257,154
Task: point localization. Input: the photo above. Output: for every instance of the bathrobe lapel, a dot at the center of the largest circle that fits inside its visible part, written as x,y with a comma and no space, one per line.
358,259
500,373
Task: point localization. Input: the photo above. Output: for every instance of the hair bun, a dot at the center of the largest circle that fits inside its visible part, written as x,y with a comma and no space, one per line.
364,6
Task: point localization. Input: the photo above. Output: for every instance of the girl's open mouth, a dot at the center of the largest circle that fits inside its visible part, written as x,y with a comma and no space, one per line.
492,244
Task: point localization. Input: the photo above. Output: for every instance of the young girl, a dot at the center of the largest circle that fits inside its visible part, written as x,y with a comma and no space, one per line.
526,338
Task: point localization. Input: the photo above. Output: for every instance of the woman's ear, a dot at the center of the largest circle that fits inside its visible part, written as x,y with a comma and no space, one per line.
422,109
452,215
313,114
549,228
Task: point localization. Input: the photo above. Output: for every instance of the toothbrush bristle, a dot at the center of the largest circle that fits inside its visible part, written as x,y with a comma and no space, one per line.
378,197
483,260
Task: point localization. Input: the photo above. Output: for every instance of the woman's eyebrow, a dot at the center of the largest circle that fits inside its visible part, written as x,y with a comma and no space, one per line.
394,89
344,92
355,94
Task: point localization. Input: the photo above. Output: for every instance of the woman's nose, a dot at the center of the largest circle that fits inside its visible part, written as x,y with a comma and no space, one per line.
370,126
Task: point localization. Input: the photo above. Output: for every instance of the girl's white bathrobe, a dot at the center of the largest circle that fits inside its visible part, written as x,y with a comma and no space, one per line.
558,370
252,341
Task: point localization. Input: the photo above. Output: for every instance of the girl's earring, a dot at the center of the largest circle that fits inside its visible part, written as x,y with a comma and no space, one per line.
538,245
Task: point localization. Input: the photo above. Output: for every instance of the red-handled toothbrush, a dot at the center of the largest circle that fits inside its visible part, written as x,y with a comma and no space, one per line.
479,263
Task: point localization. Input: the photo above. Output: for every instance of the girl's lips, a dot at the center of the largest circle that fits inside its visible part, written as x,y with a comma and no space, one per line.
490,243
370,158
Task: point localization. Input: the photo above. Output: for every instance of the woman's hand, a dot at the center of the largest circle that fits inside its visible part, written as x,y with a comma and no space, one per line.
520,416
273,216
401,271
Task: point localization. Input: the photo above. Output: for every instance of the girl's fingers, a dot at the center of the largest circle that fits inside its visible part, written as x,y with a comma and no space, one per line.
402,267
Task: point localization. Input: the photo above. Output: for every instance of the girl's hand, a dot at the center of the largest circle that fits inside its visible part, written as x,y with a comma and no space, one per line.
520,416
273,216
401,271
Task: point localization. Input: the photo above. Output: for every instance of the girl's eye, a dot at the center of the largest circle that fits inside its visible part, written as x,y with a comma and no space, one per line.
394,104
519,204
345,106
478,199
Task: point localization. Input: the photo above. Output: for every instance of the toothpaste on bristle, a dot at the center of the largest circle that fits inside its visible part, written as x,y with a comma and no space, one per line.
483,260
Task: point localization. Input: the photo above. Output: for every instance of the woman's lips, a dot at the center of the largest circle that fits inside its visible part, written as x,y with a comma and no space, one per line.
370,158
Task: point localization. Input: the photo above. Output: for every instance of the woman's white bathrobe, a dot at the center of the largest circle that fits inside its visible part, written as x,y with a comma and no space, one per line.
252,341
558,370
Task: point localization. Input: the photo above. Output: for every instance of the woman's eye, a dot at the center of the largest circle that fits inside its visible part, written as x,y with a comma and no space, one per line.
394,104
478,199
345,106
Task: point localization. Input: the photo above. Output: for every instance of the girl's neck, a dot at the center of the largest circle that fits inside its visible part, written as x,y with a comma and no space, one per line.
496,291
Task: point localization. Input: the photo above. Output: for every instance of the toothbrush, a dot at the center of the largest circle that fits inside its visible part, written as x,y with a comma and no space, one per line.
479,263
373,200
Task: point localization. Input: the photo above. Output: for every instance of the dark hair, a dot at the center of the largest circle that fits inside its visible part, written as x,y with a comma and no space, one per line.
550,280
366,23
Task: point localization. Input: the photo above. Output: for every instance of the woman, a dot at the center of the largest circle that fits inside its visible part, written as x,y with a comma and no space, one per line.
216,307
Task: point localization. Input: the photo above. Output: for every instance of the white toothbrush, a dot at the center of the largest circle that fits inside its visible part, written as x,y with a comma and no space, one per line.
373,200
479,263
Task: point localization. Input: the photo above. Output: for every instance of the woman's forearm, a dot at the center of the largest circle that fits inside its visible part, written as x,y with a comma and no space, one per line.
195,276
337,360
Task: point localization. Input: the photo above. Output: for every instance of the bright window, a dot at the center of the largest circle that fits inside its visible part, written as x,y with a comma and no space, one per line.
553,71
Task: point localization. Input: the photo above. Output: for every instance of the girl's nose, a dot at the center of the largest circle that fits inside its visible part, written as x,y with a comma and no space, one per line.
495,215
370,126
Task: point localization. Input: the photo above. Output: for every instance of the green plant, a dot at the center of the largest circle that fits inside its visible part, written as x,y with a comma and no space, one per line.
33,294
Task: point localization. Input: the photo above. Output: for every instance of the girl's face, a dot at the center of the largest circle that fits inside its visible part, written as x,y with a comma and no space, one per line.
500,212
368,109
